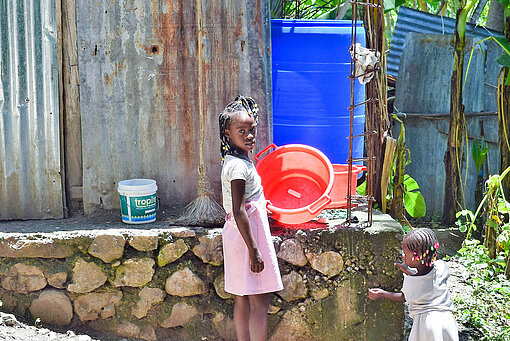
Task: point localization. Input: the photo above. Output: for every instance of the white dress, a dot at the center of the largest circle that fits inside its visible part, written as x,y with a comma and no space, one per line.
430,305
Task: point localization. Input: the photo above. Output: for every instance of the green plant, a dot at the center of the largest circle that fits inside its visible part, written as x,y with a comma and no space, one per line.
302,9
403,186
479,151
496,236
503,240
503,60
362,188
465,221
496,210
486,309
414,203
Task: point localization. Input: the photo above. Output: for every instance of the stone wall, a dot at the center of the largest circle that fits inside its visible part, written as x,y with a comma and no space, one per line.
168,284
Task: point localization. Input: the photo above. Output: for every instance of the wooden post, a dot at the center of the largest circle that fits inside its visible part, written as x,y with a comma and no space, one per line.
61,120
71,106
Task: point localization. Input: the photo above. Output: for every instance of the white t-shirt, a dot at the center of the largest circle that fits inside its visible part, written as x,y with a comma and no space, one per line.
235,168
428,292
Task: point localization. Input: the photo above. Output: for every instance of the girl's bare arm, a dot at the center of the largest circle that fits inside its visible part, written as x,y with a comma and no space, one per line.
243,224
377,293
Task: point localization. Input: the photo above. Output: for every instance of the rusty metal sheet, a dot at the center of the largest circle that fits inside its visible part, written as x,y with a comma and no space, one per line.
30,181
139,89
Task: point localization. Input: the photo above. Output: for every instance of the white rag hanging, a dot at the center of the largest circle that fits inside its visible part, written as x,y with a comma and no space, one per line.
365,61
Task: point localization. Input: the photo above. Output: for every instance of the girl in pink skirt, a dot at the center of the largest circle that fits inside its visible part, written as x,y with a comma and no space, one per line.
251,267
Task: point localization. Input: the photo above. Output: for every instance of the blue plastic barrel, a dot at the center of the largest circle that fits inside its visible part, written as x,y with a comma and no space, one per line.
311,89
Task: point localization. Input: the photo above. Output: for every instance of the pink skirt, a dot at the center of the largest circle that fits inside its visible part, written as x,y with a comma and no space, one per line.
239,279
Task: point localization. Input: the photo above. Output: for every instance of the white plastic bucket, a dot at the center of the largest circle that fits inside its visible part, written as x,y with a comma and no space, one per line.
138,200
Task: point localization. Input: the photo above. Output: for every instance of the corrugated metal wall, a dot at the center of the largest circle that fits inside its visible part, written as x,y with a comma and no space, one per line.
139,89
423,94
411,20
424,79
30,180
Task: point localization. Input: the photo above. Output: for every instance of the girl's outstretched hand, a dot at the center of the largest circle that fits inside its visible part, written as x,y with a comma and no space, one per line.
375,293
405,269
256,261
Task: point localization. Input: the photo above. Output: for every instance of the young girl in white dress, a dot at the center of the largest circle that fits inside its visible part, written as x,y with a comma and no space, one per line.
251,267
424,289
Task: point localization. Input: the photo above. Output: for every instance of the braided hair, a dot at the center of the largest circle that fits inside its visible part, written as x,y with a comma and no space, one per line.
232,110
423,243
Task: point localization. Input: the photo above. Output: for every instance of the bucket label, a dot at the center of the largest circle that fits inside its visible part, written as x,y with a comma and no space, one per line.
139,208
149,202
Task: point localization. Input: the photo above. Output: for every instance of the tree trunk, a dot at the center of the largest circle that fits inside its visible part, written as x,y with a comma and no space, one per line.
507,270
453,155
376,111
422,4
496,17
490,232
505,112
397,202
504,121
504,124
441,8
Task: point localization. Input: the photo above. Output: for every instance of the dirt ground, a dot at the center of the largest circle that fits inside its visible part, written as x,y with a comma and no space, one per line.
14,329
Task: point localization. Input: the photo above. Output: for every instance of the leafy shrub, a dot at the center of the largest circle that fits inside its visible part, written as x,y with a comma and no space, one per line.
488,308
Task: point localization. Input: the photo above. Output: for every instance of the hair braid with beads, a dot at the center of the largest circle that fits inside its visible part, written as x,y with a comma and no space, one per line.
239,105
423,243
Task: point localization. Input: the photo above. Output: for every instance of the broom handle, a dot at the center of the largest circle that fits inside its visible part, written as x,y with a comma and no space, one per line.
200,87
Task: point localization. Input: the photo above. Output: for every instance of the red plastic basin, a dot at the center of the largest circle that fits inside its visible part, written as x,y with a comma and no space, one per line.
339,191
297,181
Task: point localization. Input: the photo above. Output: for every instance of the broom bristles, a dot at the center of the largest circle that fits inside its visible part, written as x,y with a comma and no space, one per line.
203,211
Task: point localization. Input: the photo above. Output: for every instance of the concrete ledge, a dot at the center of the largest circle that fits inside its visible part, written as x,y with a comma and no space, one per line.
167,283
13,247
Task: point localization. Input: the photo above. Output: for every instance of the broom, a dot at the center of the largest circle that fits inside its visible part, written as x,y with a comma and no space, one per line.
203,211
